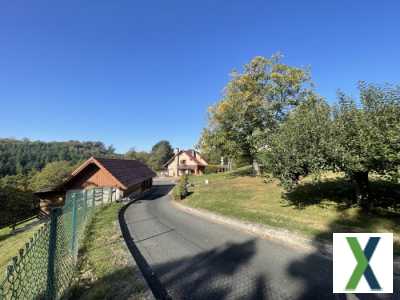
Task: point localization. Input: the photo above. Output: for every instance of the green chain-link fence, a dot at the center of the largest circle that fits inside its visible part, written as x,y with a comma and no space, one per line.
44,268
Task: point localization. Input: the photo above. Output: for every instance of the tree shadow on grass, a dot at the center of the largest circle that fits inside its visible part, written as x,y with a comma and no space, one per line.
313,290
383,194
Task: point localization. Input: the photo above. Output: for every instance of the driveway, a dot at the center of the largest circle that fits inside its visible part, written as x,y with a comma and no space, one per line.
196,259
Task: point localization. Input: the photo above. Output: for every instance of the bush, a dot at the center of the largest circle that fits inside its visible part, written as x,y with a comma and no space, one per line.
181,189
16,205
211,169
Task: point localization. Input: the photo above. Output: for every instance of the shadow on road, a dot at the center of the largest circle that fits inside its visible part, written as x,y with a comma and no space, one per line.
219,273
157,191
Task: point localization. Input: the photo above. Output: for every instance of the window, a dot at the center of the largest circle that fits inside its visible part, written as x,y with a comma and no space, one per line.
183,161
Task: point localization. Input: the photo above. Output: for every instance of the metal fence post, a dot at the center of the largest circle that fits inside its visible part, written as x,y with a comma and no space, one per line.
110,194
51,280
85,204
74,225
102,196
93,200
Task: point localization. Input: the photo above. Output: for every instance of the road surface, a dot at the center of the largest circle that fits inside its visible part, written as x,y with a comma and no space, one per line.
197,259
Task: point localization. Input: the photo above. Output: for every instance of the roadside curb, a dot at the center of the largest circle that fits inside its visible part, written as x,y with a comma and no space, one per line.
265,232
156,287
252,228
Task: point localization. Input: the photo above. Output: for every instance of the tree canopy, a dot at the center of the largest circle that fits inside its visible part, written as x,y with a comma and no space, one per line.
52,174
160,153
253,104
22,156
300,145
354,137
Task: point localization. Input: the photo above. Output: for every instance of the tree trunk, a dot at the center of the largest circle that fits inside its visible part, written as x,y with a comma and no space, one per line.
360,180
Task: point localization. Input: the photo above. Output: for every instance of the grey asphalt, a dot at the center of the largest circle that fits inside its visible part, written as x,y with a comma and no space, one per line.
197,259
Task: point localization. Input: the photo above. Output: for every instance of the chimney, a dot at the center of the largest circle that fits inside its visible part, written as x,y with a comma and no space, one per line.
194,153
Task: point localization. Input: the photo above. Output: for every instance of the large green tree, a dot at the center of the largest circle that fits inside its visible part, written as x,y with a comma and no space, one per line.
300,145
367,136
354,137
160,154
51,175
253,104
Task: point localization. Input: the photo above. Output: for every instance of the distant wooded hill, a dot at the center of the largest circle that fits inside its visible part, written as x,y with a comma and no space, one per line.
22,156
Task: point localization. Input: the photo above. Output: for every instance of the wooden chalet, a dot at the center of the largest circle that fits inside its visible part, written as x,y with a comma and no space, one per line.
126,177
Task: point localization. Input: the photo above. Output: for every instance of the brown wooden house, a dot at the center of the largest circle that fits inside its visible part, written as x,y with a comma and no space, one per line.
127,177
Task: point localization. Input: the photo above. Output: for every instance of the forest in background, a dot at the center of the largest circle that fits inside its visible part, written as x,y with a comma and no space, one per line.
24,156
28,166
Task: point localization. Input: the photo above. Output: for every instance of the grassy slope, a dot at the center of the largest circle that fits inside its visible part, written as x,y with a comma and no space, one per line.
11,243
315,214
105,269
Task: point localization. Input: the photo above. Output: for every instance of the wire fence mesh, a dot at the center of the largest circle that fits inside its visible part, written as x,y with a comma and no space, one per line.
44,268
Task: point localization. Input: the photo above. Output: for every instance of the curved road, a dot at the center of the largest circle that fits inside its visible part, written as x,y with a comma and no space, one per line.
196,259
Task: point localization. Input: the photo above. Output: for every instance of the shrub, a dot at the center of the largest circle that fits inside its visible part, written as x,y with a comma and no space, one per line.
211,169
181,189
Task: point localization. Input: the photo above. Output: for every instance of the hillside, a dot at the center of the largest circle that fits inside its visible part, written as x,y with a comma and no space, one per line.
21,156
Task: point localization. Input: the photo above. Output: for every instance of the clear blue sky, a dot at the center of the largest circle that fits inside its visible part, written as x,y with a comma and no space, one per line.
130,73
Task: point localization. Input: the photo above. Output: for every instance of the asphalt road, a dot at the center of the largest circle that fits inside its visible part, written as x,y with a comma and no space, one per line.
197,259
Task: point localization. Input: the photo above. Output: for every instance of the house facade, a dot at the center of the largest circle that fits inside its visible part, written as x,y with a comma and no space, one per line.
185,162
124,177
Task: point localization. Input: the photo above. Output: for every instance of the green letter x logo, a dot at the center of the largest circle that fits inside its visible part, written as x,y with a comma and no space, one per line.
363,267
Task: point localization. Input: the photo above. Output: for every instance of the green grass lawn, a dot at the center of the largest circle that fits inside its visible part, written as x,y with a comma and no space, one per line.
314,210
104,269
10,242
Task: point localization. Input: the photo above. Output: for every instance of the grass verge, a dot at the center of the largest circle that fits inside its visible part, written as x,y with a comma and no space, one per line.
314,210
10,242
105,267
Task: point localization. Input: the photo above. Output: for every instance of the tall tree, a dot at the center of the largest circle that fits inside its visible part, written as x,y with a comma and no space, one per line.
52,175
300,145
354,138
142,156
367,136
253,104
160,154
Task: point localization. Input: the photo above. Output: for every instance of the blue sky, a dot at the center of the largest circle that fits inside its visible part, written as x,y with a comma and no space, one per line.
130,73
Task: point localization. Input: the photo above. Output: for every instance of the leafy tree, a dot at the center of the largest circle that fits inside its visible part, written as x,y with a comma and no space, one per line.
19,181
160,154
299,147
142,156
52,175
253,104
356,139
367,136
15,204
